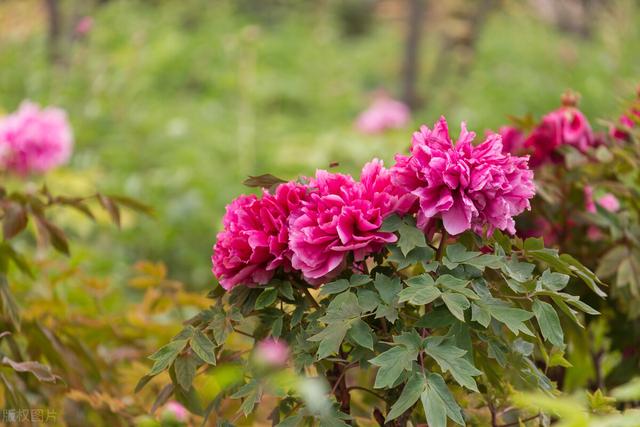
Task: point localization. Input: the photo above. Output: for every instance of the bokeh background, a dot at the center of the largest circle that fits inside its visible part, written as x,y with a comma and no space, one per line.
176,102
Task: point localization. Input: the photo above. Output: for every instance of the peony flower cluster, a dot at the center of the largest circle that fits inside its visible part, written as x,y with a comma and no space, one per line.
564,126
254,242
318,228
34,140
467,186
385,113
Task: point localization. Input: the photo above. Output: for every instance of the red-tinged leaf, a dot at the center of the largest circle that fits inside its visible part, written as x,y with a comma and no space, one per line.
265,181
162,397
55,235
42,372
15,220
111,208
132,204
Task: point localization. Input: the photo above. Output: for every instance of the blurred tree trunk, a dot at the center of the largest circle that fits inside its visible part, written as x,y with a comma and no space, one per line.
411,64
54,19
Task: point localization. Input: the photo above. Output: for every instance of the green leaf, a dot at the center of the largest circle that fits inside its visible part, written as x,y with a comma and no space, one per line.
420,254
434,408
266,298
553,281
286,290
185,367
584,273
419,295
512,317
368,299
456,303
335,287
437,318
361,333
549,322
252,393
520,271
392,363
330,338
410,237
359,279
436,383
292,421
343,307
387,287
451,359
166,355
410,395
480,314
391,224
203,347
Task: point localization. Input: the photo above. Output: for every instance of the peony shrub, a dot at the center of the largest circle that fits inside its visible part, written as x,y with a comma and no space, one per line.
403,296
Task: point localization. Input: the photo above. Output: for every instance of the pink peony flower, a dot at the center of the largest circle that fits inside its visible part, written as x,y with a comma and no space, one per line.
84,26
566,125
385,113
34,140
626,122
272,352
343,216
254,242
512,139
607,201
468,187
176,411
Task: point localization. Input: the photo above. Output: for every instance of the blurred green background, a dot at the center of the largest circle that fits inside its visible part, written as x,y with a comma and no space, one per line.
176,102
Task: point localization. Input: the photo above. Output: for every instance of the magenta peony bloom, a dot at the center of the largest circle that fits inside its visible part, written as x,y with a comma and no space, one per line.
176,411
272,352
566,125
34,140
385,113
343,216
626,122
607,201
468,187
254,242
84,26
512,139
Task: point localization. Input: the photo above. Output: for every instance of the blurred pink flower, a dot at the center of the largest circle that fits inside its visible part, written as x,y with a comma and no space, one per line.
343,216
608,201
176,411
84,25
385,113
626,122
272,352
254,241
468,186
512,139
566,125
34,140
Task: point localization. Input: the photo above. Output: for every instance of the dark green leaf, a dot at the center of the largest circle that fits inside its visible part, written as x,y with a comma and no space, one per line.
549,322
266,298
410,395
203,347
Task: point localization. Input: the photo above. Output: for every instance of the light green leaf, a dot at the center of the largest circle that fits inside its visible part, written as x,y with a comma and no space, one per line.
185,367
553,281
410,237
419,254
512,317
391,364
456,303
418,295
391,224
451,359
410,395
387,287
334,287
330,338
549,322
266,298
166,355
436,383
434,408
361,333
359,279
203,347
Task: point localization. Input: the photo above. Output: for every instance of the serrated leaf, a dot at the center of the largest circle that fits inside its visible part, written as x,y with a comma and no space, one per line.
330,338
392,363
410,395
415,256
437,384
252,393
391,224
434,408
334,287
368,299
410,238
185,367
387,287
266,298
512,317
361,333
549,322
420,295
203,347
456,303
451,359
359,279
166,355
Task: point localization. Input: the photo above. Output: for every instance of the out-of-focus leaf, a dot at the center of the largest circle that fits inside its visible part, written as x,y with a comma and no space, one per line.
42,372
265,181
14,221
